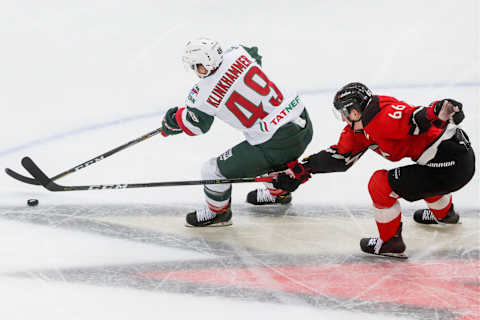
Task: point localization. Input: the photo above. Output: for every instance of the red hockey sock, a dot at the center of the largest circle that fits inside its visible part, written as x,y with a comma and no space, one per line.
388,230
387,209
439,205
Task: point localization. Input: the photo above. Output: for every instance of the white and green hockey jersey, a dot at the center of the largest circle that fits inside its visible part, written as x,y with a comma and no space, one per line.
242,95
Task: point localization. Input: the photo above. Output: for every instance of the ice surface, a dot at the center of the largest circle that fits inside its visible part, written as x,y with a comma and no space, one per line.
299,260
80,79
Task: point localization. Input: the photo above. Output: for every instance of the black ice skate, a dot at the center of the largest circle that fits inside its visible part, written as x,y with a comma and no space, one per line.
263,196
425,216
207,218
395,247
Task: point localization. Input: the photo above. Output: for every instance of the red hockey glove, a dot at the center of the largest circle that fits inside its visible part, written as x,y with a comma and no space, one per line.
300,172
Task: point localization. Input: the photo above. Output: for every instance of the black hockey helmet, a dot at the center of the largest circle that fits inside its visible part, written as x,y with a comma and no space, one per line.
353,95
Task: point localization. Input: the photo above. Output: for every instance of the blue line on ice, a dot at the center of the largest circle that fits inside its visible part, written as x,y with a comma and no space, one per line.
121,121
97,126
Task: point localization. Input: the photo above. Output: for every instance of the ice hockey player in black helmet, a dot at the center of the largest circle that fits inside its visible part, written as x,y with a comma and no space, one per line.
354,95
430,136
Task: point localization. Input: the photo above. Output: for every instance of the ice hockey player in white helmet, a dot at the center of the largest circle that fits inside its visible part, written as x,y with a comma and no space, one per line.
234,88
205,53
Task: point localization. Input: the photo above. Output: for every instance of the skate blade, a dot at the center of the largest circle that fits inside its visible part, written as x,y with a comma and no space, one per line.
443,224
440,225
219,224
402,255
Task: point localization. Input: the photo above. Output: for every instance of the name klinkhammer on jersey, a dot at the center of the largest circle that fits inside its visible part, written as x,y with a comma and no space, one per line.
227,80
441,164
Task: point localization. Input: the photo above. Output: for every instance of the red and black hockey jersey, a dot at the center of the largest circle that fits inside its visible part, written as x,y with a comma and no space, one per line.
392,128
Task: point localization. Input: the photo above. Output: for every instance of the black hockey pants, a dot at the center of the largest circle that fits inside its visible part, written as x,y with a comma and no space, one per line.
452,168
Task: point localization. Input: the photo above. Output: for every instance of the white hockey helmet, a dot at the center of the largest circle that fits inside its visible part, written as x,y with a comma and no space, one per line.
204,51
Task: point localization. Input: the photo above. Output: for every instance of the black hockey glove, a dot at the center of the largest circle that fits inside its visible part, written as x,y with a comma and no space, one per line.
169,124
314,162
288,183
285,182
449,110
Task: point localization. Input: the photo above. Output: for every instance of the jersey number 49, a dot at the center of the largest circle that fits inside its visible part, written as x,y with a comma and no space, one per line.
236,100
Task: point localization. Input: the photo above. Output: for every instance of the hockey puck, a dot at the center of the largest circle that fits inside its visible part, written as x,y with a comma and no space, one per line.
32,202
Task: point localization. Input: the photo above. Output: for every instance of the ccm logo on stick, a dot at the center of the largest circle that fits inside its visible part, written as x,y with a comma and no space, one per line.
109,186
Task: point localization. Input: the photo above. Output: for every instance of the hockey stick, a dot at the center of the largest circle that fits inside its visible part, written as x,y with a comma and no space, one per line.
48,183
28,180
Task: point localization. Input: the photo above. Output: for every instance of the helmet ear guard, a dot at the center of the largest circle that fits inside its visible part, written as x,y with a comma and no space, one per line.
204,51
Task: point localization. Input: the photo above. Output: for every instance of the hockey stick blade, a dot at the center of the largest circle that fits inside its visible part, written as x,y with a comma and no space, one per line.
39,175
20,177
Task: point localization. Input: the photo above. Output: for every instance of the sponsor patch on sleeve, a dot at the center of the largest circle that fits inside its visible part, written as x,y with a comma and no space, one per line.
192,96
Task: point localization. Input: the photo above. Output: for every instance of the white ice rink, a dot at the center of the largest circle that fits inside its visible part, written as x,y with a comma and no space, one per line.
80,78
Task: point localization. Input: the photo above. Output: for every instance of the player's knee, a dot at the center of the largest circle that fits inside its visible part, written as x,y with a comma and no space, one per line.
378,180
210,170
380,190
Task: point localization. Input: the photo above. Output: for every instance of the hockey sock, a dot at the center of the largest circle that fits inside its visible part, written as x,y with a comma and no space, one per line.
386,207
217,196
439,205
389,229
218,201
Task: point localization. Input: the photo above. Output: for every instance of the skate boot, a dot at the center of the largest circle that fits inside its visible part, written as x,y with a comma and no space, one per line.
263,196
207,218
425,216
395,247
